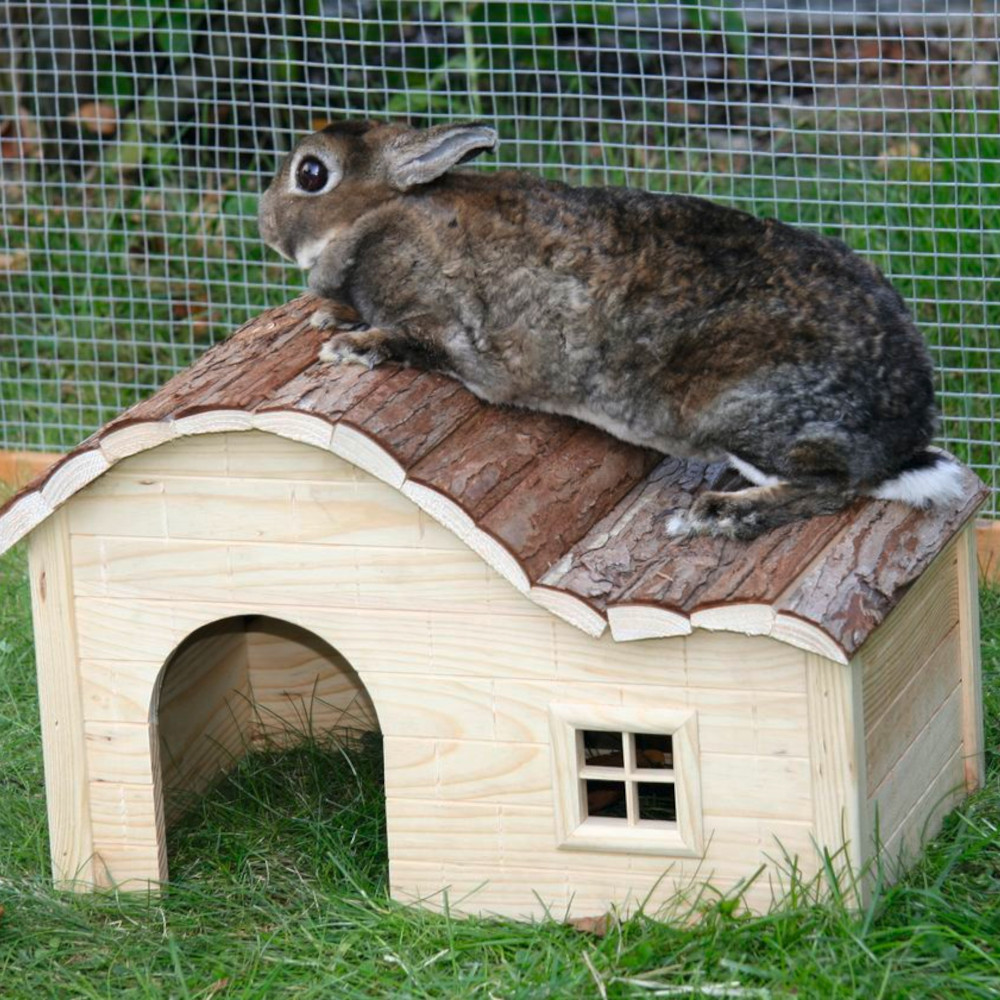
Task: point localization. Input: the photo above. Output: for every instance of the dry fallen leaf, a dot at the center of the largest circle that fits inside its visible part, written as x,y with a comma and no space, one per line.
598,926
16,261
19,137
96,117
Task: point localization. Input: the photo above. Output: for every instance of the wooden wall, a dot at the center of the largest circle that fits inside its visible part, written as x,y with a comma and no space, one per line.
459,668
922,722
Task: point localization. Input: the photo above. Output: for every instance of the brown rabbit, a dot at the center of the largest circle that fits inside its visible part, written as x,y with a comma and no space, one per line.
667,321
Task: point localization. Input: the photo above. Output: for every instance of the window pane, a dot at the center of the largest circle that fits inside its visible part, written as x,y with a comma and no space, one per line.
657,800
654,750
601,749
606,798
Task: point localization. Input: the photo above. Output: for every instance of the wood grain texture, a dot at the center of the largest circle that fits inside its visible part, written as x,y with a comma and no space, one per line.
866,570
837,760
61,705
921,622
570,516
970,652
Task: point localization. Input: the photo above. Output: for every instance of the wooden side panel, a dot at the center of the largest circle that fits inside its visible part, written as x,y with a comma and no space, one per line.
204,713
61,704
837,758
521,883
300,688
888,739
921,622
264,574
916,701
894,802
970,647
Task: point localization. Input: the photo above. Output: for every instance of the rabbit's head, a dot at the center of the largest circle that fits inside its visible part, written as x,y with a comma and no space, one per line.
335,176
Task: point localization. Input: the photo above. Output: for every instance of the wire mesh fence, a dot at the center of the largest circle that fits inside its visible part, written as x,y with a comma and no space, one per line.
135,136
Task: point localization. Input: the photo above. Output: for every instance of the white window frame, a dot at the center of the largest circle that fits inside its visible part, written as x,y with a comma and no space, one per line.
575,830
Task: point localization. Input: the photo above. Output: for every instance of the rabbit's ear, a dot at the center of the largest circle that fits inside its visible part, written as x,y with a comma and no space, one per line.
418,157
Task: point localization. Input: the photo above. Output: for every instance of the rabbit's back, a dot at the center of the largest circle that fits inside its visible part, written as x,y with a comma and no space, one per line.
645,306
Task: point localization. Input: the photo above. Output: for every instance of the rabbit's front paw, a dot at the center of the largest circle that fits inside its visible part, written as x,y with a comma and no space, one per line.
334,316
359,347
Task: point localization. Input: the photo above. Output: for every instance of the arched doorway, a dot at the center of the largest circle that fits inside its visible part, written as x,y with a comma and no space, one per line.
241,682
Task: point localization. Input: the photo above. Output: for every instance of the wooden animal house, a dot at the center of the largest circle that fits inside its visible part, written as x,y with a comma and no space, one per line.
577,710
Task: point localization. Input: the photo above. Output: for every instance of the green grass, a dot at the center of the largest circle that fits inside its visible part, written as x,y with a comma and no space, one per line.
279,889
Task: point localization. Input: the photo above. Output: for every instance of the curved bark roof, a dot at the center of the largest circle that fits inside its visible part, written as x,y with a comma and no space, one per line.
570,516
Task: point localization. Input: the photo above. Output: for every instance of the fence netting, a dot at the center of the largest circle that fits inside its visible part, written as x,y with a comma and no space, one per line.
135,137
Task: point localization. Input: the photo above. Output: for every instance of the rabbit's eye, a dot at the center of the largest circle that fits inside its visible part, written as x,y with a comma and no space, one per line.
311,175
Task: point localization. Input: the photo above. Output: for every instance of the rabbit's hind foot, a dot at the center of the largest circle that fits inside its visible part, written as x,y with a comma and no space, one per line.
366,347
747,513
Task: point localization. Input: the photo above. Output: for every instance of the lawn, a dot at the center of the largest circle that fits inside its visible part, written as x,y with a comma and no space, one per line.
279,889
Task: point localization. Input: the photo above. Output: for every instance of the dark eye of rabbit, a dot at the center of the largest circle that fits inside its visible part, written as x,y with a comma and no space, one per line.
311,175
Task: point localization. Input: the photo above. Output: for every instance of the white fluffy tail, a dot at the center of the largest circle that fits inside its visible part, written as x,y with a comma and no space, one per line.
932,477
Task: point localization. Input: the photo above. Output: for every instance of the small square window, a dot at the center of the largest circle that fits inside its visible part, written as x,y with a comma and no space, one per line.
627,779
657,801
654,750
602,749
606,798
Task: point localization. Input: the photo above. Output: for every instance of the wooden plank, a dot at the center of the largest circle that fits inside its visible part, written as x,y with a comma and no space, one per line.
916,628
570,609
250,454
886,741
741,662
556,504
135,438
461,708
629,544
837,760
737,722
492,842
129,869
628,558
756,787
60,705
988,549
124,815
73,473
468,771
448,514
269,510
19,515
705,659
866,571
18,468
412,412
324,390
298,427
929,752
970,652
300,685
204,712
489,455
118,690
372,639
120,503
119,752
265,574
903,845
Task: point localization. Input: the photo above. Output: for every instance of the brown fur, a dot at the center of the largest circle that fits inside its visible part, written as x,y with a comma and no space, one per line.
668,321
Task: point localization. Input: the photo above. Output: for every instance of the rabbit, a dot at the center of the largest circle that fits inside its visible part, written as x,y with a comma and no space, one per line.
668,321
